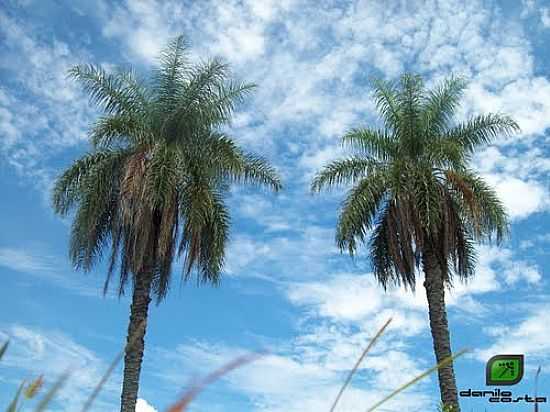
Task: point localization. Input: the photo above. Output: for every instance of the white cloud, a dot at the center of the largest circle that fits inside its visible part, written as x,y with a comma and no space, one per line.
41,111
143,25
143,406
520,197
528,336
289,381
357,299
304,252
545,16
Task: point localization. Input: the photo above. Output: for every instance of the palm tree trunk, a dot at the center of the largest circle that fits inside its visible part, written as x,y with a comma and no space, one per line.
435,291
135,341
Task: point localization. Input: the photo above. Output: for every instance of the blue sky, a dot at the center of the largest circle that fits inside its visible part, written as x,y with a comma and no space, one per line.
286,288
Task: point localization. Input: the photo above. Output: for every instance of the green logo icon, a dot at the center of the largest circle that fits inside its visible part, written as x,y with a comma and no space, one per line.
504,370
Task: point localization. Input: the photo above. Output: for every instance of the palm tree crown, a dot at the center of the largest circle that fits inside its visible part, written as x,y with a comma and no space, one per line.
412,183
153,185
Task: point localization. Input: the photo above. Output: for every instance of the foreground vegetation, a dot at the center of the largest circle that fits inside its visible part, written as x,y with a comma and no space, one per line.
31,389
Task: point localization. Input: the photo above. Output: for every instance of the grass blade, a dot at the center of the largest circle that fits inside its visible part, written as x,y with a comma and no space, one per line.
356,366
4,348
34,387
13,404
51,393
444,362
192,393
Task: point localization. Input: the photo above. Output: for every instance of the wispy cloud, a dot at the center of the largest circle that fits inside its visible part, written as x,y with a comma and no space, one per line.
528,336
289,381
42,113
49,268
34,352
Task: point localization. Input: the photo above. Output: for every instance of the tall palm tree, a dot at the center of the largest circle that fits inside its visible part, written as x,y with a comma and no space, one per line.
152,187
415,200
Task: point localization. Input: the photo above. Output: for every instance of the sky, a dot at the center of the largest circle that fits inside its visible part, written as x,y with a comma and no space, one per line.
286,288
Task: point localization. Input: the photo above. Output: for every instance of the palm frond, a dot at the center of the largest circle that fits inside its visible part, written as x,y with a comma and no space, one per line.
386,100
378,144
440,105
119,130
170,76
359,211
486,213
68,188
205,231
114,93
482,130
230,162
409,103
345,171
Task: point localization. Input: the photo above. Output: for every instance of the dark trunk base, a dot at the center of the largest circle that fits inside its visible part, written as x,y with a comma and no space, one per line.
435,292
135,342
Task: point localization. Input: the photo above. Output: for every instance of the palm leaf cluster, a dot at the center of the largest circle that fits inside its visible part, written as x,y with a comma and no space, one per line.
153,187
412,188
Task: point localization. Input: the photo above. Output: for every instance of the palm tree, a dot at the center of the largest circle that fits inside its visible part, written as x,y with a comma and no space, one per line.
415,200
153,185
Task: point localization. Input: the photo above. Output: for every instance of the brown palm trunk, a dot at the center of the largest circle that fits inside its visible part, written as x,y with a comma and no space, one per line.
435,291
135,342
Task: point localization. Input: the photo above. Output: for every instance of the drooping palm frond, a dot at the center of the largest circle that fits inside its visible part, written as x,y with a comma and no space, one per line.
485,211
71,185
359,211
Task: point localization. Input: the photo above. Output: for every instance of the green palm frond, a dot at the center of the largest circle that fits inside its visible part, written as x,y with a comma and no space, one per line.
482,130
445,154
359,211
119,130
228,96
257,170
69,187
232,163
197,203
440,105
411,140
161,178
386,100
378,144
114,93
172,71
343,172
